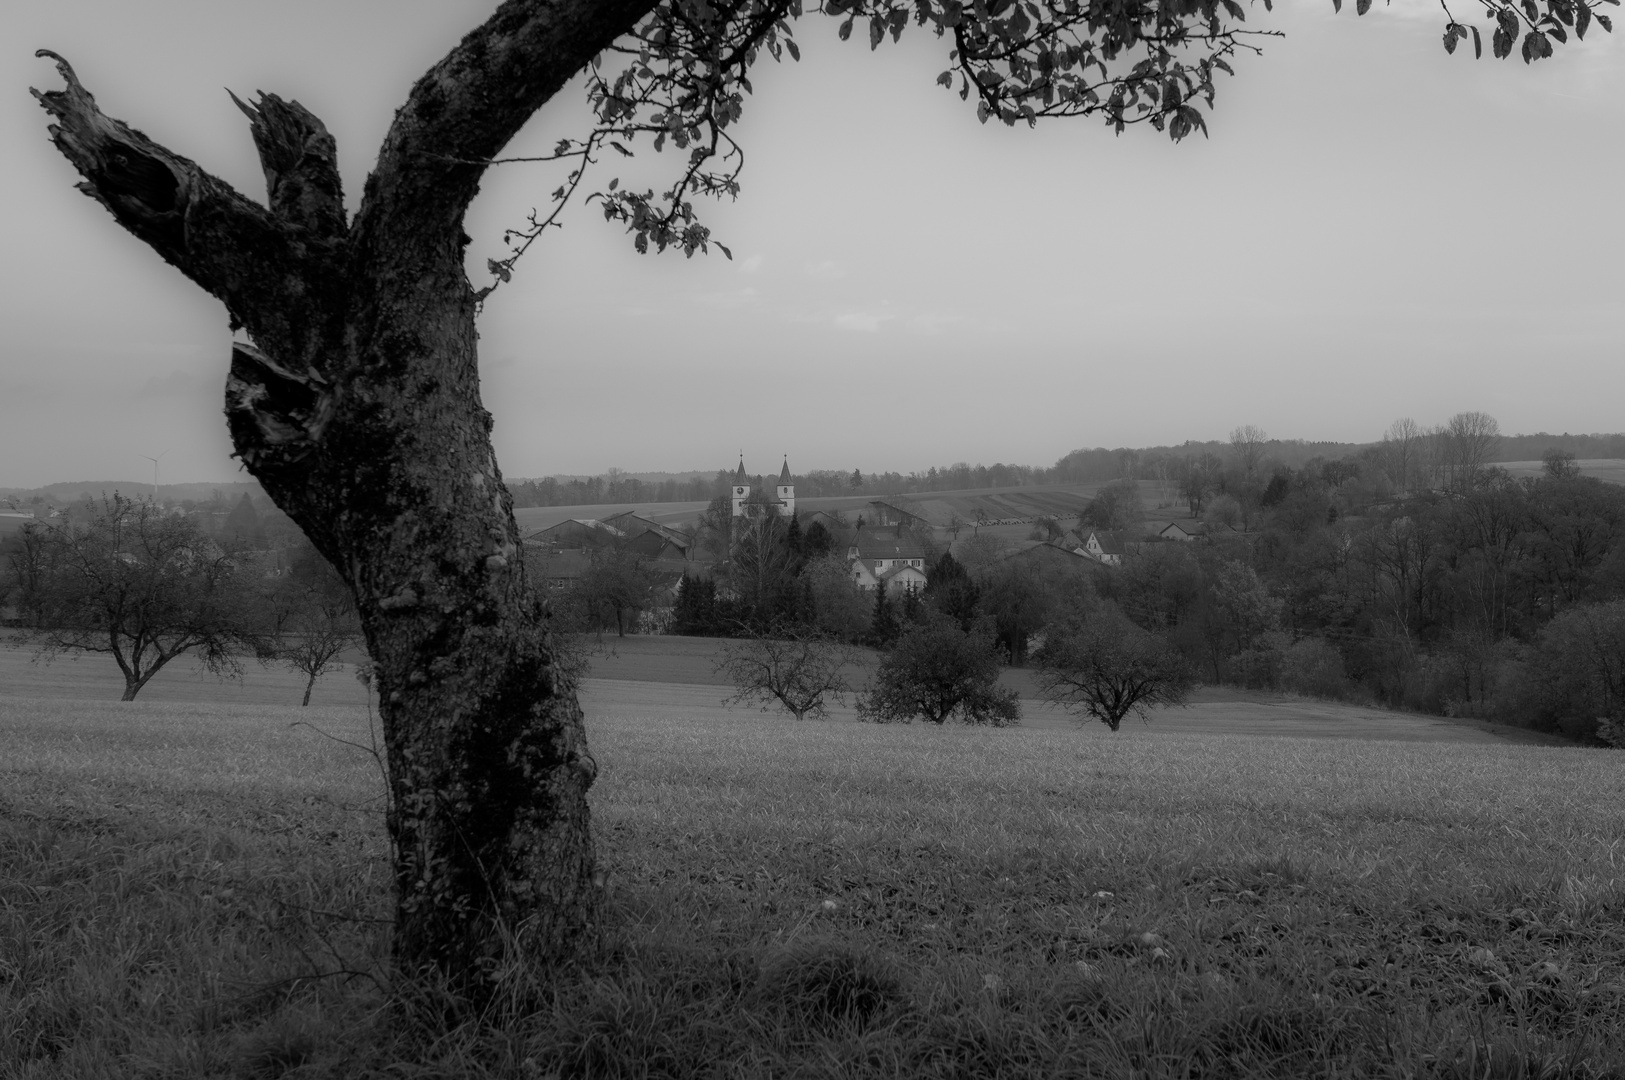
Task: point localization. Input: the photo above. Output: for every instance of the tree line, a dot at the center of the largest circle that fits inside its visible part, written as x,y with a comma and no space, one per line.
1414,575
1080,466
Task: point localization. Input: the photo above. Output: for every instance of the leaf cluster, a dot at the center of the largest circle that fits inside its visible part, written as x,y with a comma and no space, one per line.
1539,26
680,79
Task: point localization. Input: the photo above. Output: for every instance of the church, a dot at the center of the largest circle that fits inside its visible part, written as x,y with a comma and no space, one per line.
784,504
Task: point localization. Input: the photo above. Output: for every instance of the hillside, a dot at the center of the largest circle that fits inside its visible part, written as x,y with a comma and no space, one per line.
74,490
1062,501
1609,470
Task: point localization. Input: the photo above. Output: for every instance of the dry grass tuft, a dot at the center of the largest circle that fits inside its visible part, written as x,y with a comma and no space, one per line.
826,985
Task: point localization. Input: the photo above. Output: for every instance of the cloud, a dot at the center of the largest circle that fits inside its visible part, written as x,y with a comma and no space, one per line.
731,298
177,384
866,321
827,270
751,265
933,322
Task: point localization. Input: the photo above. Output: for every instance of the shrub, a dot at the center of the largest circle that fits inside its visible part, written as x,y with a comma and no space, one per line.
1314,667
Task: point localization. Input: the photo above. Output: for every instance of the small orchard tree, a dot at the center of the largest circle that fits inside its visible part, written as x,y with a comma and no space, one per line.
937,670
794,669
316,620
317,633
1108,668
143,587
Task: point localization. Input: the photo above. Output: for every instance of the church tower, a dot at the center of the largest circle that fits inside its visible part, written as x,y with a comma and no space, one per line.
787,491
741,488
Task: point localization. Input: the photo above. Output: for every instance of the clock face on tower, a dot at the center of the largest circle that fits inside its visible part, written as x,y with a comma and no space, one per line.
738,491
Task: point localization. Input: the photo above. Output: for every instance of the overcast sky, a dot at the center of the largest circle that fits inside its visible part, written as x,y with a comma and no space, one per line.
1373,230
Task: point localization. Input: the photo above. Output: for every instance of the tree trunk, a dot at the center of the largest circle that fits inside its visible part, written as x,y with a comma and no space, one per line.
357,408
310,684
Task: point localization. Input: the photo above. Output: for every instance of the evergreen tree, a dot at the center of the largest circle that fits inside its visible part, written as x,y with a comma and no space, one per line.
883,626
912,607
695,610
816,541
794,541
950,589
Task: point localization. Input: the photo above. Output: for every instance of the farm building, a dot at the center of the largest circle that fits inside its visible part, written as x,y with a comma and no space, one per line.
576,533
892,514
650,538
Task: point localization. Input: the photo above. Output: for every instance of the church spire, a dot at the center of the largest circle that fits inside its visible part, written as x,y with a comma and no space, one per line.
739,475
784,473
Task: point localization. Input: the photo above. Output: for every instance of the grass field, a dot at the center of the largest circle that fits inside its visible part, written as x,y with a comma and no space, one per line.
667,675
1610,469
193,889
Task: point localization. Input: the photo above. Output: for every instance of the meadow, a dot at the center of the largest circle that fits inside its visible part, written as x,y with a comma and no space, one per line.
1611,470
201,889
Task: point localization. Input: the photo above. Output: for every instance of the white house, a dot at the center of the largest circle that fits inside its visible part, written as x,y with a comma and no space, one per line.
886,556
1104,547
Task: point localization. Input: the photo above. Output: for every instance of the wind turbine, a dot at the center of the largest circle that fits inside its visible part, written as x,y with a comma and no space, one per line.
154,461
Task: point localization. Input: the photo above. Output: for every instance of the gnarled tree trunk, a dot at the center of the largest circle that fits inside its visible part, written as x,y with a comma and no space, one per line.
357,407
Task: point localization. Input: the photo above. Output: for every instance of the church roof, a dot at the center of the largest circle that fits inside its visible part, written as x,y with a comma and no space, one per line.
784,473
739,474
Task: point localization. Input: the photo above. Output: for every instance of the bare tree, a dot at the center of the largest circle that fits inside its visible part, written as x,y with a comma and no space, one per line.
1558,464
315,621
1107,668
1470,441
144,587
1401,445
357,404
315,635
1247,443
796,670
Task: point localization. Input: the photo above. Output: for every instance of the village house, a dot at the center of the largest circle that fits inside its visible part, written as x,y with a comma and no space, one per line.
1183,531
886,557
1104,547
